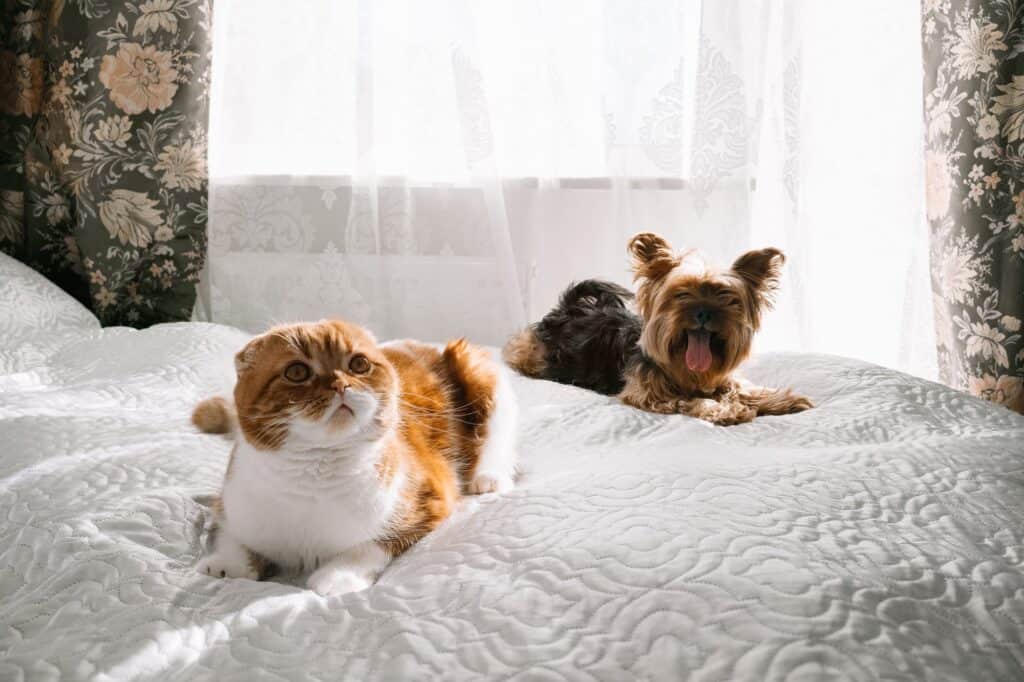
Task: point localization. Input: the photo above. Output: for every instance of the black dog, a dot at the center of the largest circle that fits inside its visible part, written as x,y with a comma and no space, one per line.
587,340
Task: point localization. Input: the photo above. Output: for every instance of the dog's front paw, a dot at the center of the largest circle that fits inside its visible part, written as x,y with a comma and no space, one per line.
227,565
490,482
720,413
331,581
730,415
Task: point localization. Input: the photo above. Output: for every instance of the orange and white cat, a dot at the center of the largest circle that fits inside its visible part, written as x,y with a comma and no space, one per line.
350,451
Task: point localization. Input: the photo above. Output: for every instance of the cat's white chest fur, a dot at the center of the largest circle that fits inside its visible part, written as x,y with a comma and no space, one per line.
298,509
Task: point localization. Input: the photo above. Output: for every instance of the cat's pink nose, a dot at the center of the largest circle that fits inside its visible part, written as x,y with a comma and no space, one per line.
340,388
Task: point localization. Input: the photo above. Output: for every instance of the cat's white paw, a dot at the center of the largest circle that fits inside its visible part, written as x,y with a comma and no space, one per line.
331,581
227,565
490,482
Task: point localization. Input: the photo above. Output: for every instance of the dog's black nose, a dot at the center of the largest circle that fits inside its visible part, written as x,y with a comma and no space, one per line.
702,316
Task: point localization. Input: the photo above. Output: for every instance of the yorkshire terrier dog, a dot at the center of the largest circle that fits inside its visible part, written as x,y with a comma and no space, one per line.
679,355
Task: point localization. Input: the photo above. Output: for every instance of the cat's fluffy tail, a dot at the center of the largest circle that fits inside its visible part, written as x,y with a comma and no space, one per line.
214,415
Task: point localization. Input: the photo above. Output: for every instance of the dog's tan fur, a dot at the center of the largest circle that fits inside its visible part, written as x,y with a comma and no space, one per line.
670,286
525,353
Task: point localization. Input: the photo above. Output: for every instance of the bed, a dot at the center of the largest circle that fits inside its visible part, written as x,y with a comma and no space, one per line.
880,535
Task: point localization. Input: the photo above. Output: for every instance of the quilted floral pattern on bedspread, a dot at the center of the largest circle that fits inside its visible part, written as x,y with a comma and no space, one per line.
880,535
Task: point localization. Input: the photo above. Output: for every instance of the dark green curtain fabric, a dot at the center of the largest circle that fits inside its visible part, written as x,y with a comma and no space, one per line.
103,138
974,111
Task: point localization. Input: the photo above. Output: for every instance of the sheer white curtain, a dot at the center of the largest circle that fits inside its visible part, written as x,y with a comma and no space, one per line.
441,168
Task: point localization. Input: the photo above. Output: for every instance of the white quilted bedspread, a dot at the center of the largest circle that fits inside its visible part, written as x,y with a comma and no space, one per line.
880,535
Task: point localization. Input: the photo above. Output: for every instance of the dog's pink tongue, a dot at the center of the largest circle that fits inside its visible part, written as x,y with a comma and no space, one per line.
698,351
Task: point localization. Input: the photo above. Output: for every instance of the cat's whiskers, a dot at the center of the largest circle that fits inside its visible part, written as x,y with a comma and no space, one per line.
416,411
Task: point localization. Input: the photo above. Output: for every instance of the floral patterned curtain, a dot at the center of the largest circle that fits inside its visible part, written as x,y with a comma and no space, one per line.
103,118
974,110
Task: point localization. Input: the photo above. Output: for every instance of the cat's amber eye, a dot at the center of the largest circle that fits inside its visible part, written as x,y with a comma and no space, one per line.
297,372
359,364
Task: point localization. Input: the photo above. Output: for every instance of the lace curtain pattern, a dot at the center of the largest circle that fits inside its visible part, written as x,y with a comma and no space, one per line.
446,168
974,106
103,180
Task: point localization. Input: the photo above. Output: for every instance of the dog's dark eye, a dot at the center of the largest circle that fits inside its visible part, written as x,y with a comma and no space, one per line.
359,364
297,372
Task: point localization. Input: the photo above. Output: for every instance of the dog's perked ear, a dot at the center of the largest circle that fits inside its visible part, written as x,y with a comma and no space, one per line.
652,255
760,270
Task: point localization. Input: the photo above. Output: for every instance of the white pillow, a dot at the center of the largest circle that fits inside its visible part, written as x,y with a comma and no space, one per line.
31,306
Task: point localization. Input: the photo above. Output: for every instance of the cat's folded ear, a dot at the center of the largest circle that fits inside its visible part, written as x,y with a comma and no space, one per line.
652,255
343,327
244,358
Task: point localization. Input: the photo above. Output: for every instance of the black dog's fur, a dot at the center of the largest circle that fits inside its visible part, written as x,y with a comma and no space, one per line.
590,337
